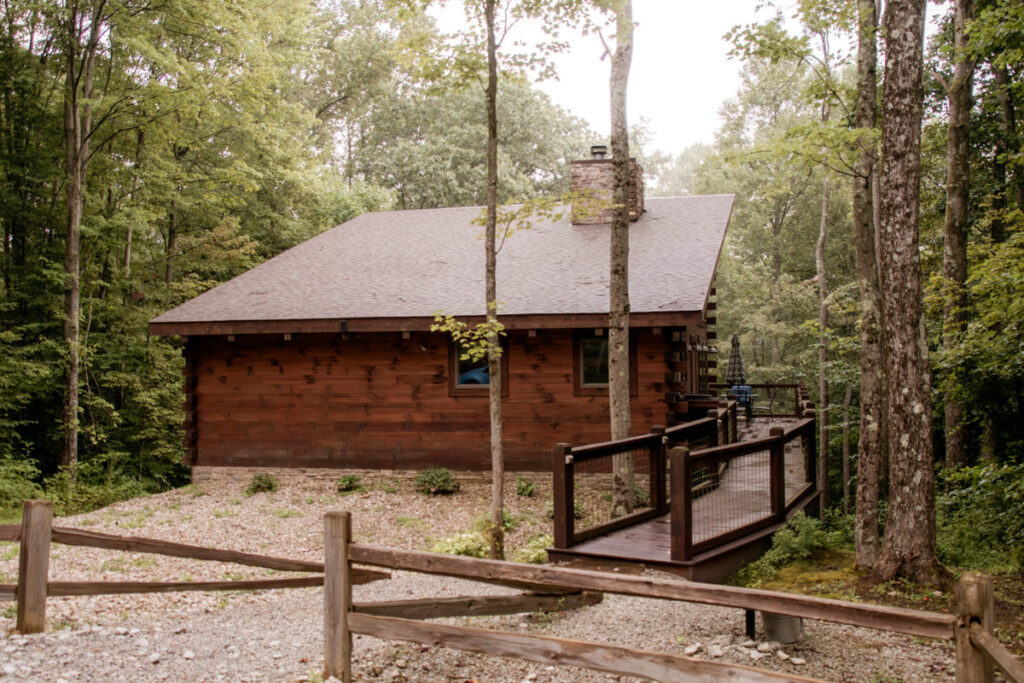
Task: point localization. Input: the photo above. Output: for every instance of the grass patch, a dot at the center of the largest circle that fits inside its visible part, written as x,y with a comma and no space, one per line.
414,523
287,513
220,514
8,551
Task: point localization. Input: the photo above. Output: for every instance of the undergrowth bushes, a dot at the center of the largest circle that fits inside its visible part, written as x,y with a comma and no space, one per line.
980,517
801,539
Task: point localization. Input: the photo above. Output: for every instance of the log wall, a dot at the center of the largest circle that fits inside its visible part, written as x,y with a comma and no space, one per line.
381,401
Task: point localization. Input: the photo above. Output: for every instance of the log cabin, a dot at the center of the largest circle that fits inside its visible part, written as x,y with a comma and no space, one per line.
322,357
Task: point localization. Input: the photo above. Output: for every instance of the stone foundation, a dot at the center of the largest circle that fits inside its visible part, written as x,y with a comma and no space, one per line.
204,474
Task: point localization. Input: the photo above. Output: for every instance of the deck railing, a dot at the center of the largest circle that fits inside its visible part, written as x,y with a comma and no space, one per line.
768,479
773,400
584,486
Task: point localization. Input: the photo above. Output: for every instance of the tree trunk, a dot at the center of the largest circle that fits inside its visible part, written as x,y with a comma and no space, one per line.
870,448
618,311
172,243
1007,134
955,228
79,66
908,547
497,535
847,399
822,412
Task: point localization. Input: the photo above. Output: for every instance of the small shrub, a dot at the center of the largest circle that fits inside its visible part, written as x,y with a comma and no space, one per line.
261,483
577,509
526,488
535,550
483,522
350,483
17,482
641,497
438,481
800,539
468,543
980,517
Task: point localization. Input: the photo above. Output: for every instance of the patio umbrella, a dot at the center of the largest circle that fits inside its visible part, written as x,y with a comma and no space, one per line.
735,374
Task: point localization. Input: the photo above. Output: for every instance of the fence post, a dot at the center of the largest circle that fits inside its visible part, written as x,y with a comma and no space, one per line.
777,475
682,504
34,565
713,412
975,603
809,444
659,483
563,494
337,595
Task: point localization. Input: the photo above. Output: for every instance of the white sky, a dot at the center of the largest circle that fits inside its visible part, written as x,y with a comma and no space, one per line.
679,76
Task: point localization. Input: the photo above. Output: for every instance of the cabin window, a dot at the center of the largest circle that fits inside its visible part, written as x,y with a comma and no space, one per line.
594,362
590,364
468,377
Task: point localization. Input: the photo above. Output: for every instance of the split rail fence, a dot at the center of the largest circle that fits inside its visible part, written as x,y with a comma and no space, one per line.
978,653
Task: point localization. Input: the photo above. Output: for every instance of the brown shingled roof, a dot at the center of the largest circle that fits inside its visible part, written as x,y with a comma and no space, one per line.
409,264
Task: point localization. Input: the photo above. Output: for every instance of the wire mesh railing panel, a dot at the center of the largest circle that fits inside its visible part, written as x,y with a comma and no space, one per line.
729,495
594,491
797,465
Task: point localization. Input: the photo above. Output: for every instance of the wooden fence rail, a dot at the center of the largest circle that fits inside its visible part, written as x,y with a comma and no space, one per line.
978,653
975,650
36,534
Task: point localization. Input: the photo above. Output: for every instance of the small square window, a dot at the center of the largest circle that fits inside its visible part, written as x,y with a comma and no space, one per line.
472,377
594,362
471,372
590,364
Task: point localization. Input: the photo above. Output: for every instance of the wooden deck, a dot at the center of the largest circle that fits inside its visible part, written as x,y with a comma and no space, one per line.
741,498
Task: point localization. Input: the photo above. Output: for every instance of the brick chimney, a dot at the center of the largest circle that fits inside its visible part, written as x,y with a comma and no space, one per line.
597,174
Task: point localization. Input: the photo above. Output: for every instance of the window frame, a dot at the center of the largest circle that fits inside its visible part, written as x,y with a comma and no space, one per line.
479,390
580,389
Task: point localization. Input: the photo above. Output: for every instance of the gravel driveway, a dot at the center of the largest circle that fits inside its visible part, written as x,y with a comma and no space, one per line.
277,635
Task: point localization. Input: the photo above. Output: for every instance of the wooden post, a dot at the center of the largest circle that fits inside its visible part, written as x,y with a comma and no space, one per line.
713,412
810,448
777,475
34,565
975,603
659,483
682,504
337,595
562,490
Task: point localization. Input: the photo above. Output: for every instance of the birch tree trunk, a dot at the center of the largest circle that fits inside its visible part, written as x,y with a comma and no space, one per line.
955,228
908,547
497,535
81,38
822,412
870,454
618,313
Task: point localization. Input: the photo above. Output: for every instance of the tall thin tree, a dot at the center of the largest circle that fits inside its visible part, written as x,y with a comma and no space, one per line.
954,252
871,447
618,295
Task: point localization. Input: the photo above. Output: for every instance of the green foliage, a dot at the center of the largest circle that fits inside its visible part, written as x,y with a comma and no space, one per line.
17,482
535,550
980,517
261,483
577,509
800,539
71,497
349,483
483,522
468,543
526,488
438,481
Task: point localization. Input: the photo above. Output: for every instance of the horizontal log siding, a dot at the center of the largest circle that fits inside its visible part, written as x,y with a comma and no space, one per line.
380,401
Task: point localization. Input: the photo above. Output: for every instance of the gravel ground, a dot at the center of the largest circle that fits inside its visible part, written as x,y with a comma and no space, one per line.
277,635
